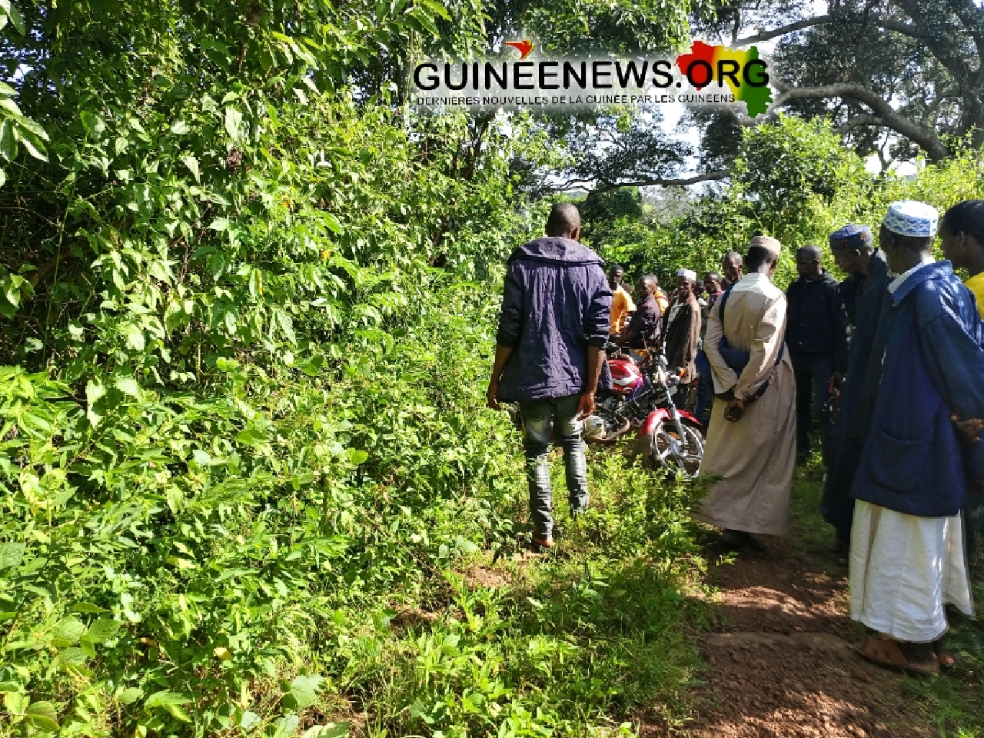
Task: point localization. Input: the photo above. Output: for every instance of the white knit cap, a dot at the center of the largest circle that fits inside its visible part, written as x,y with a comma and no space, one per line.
912,218
689,274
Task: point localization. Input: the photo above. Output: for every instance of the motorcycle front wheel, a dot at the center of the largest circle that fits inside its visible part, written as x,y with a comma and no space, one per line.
674,453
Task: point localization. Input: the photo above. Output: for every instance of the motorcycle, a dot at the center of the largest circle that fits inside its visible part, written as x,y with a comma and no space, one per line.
642,396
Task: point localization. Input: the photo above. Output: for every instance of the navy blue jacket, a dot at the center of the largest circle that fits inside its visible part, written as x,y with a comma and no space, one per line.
815,319
556,302
913,460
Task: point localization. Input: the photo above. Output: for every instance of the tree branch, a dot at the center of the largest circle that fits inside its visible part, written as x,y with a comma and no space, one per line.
864,119
716,175
890,118
783,30
888,24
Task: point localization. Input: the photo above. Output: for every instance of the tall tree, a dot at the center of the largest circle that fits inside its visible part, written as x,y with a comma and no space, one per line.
914,68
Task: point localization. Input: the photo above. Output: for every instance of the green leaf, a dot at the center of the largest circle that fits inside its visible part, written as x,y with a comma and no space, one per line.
129,386
130,695
333,224
435,7
33,146
192,163
93,124
11,554
93,393
16,18
42,716
180,128
201,457
165,699
234,124
356,455
67,632
88,607
331,730
303,692
134,337
73,656
103,630
8,145
248,720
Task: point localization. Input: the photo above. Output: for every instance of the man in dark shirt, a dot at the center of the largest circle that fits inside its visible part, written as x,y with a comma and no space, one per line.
644,325
865,293
553,327
816,335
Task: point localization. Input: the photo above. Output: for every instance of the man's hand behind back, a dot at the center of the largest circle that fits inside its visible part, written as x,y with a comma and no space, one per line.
970,432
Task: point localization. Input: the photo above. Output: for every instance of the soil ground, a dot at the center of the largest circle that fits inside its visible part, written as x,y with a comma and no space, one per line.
780,655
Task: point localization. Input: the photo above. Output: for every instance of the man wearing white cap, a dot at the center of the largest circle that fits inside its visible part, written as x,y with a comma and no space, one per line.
751,445
681,330
907,555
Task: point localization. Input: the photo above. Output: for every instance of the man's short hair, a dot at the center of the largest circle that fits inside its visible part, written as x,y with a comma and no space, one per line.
965,217
649,279
731,256
713,275
757,256
616,268
563,220
812,251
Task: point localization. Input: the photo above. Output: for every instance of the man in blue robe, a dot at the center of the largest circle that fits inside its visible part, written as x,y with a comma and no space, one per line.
907,551
866,299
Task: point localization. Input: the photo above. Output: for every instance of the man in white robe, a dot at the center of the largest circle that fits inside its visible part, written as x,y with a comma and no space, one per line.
922,451
751,447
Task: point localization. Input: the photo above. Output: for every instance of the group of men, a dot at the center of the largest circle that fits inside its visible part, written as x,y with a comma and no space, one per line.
905,457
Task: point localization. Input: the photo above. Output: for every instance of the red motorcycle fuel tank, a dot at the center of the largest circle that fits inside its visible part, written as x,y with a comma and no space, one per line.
626,376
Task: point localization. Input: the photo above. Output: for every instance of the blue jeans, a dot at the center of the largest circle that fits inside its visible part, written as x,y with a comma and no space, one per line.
542,419
812,372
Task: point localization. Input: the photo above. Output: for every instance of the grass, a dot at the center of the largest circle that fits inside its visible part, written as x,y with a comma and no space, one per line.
592,638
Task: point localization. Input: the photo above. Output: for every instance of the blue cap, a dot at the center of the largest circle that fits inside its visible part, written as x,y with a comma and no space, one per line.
851,237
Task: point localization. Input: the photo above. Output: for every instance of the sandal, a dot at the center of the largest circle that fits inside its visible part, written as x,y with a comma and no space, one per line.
943,655
898,656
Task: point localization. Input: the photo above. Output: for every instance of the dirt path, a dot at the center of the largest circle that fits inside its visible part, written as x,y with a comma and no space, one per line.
780,657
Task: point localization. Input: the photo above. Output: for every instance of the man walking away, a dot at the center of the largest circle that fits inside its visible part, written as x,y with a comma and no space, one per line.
681,332
751,445
622,305
962,234
553,327
732,268
816,334
907,554
866,289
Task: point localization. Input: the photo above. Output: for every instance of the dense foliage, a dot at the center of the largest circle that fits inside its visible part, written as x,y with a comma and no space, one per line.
247,304
247,317
793,180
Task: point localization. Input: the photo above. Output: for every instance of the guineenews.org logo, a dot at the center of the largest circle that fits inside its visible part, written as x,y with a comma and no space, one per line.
707,76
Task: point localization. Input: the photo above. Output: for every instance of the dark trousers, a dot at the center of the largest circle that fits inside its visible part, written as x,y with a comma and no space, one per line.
973,518
705,400
812,372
